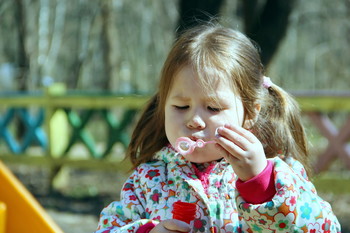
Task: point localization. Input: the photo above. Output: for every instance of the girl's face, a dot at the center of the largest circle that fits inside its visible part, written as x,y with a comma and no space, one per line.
193,112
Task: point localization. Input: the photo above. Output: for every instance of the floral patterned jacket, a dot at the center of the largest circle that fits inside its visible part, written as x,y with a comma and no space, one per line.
149,193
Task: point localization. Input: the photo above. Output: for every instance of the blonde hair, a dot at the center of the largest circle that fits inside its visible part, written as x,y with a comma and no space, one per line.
223,53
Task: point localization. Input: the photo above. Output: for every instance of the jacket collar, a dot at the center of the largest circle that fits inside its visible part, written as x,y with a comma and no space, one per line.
169,155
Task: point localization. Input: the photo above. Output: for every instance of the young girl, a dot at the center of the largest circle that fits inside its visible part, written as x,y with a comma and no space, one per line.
249,177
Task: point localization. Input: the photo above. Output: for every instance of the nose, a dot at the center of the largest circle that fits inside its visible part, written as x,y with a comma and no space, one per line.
196,122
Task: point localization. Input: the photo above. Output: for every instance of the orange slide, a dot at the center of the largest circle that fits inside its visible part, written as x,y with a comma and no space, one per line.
19,210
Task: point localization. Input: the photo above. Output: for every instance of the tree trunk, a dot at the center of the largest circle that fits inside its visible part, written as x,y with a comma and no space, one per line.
267,26
194,12
106,47
113,37
22,58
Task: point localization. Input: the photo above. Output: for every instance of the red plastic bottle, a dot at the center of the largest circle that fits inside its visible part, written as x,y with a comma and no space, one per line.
184,211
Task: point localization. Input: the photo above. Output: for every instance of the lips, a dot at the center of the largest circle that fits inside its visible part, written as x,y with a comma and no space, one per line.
195,136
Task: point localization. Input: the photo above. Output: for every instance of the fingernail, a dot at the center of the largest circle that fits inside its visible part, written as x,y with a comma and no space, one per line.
217,135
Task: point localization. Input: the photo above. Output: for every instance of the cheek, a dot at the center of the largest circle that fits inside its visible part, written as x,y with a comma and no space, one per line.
234,117
171,128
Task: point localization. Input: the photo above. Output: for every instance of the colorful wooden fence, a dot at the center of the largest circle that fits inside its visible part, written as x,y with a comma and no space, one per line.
319,107
44,128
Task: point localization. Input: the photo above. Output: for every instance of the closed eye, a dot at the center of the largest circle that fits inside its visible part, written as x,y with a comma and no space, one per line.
181,107
213,109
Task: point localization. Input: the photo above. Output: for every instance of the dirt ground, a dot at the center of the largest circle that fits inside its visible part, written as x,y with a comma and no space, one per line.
79,196
74,223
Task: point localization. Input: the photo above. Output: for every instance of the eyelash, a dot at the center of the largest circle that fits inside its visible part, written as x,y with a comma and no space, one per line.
214,109
209,108
181,107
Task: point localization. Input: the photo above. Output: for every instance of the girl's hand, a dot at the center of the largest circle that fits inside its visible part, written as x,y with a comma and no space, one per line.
242,150
171,225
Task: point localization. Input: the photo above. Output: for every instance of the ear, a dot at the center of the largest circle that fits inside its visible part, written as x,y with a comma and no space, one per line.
249,123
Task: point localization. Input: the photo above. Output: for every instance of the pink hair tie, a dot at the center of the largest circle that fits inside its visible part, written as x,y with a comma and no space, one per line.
267,83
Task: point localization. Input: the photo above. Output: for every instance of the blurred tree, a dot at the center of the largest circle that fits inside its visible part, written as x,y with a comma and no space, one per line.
120,45
109,37
22,57
81,28
267,26
266,22
194,12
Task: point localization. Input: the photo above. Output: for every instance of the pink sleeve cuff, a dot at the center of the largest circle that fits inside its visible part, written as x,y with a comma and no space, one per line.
146,228
260,188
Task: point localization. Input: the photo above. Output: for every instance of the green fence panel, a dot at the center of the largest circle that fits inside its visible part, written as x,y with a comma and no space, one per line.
32,134
6,135
117,130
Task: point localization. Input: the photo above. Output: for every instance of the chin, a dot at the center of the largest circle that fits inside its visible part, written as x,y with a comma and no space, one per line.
193,158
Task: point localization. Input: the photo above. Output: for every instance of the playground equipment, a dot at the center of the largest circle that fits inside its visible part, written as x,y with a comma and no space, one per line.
2,217
19,210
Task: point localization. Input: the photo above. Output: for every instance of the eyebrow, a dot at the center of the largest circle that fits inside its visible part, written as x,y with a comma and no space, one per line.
180,97
211,97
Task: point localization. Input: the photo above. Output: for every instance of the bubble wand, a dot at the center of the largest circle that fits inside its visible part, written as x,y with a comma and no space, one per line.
186,146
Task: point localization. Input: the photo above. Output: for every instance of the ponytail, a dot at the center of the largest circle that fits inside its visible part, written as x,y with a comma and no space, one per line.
280,127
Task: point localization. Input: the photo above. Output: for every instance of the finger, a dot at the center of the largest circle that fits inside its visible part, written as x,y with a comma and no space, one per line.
229,148
243,132
229,157
235,137
176,225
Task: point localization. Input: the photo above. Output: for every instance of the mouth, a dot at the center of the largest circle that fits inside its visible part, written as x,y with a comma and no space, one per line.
193,138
